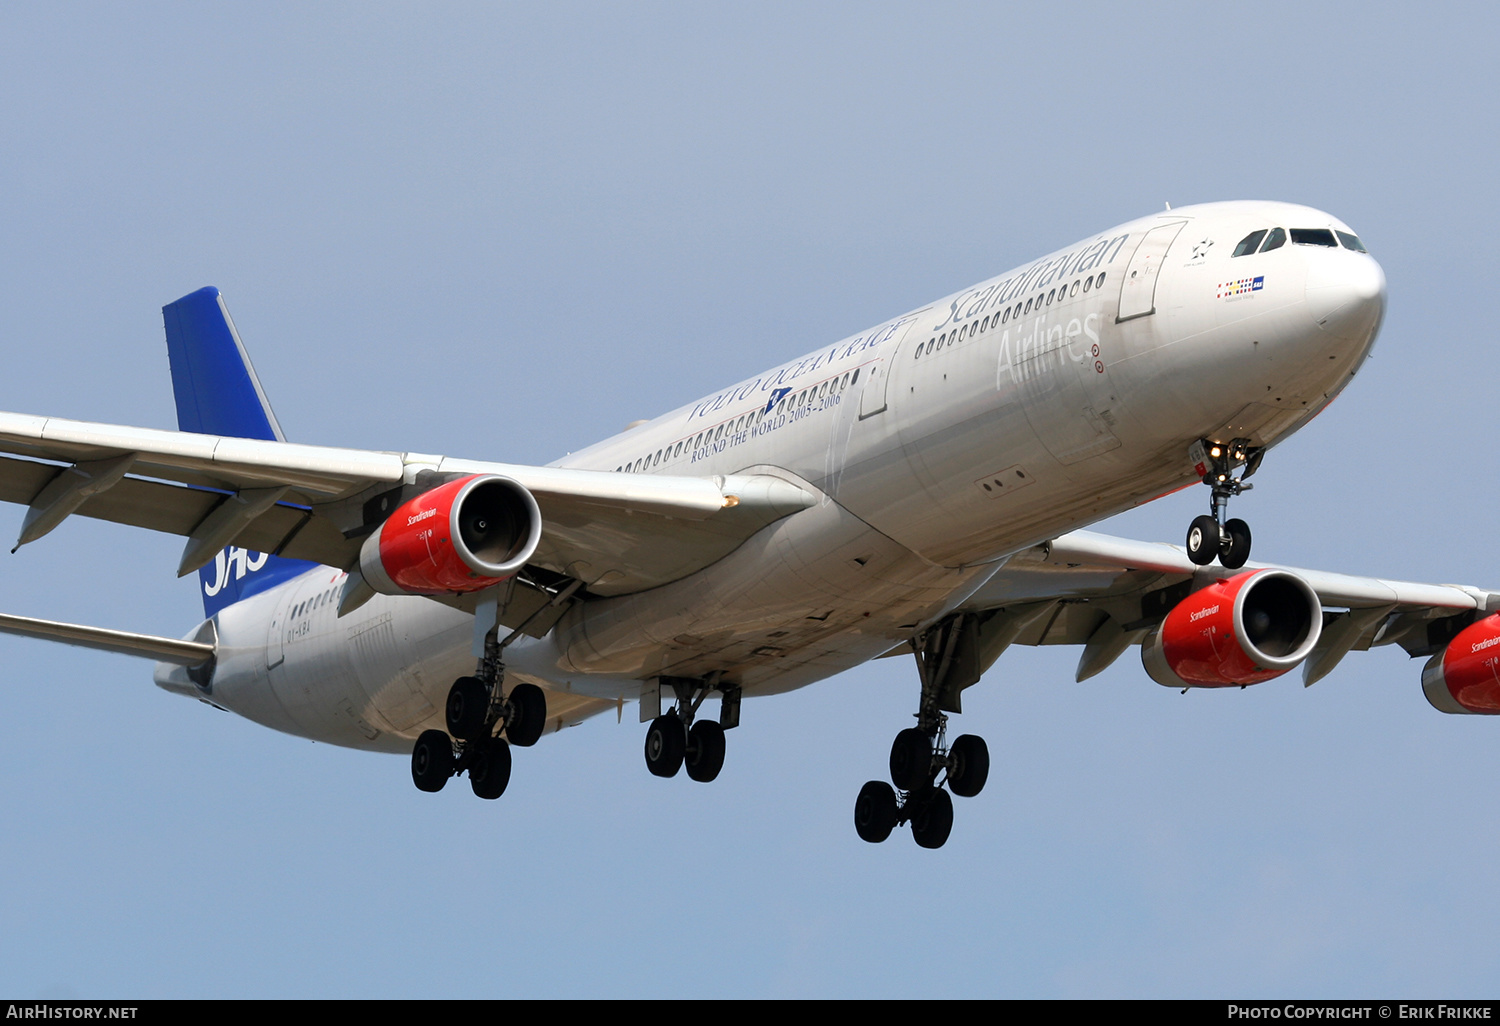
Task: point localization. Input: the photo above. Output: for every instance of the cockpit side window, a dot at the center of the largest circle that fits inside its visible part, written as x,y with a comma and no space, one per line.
1351,242
1275,240
1248,243
1314,237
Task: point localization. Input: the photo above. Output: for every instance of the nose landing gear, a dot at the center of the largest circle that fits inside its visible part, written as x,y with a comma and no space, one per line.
1210,536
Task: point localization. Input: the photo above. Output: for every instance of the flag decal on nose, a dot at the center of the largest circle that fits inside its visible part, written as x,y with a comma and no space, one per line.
1240,287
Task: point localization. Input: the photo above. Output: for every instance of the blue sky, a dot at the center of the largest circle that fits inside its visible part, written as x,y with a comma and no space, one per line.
506,231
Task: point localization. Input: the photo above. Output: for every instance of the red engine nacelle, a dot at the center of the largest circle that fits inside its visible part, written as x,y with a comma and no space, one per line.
1241,630
1465,676
462,536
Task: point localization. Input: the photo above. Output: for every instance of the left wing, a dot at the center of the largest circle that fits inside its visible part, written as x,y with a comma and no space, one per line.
616,533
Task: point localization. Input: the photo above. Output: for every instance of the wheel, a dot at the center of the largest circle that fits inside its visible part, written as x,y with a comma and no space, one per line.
911,758
432,760
468,705
528,704
1236,548
705,751
875,811
1203,540
933,822
490,771
968,765
665,741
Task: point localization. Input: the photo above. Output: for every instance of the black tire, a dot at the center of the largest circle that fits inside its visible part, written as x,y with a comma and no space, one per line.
1236,547
968,765
705,751
665,744
933,822
1203,540
528,705
468,705
431,760
911,759
490,772
875,811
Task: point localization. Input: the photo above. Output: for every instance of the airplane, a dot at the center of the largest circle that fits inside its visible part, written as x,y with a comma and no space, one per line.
921,488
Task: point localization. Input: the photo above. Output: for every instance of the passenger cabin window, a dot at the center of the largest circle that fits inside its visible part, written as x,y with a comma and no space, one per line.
1275,240
1249,243
1314,237
1351,242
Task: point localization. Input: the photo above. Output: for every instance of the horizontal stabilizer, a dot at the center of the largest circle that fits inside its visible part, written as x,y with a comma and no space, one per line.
167,650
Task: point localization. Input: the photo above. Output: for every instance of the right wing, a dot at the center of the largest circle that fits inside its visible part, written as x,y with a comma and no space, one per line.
1107,593
616,533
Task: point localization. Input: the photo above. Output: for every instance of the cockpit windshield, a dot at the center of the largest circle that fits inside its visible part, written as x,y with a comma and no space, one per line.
1314,237
1263,240
1249,243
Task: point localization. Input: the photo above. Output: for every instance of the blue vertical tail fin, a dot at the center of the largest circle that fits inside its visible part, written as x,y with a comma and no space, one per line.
218,393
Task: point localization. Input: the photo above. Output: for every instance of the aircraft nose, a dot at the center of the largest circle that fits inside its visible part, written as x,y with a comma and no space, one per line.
1346,294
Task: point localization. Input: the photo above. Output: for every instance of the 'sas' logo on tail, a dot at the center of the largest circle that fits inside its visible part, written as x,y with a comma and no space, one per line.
242,561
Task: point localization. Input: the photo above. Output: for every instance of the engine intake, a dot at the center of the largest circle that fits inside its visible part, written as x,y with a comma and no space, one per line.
1241,630
1465,676
461,536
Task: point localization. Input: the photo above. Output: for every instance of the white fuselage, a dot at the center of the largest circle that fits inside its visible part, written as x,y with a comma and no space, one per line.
939,443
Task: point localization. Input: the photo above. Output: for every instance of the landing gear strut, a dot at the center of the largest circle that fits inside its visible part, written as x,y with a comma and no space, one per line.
922,763
1210,536
675,741
478,710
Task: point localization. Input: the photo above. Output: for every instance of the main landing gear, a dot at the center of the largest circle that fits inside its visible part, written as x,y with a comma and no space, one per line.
1210,536
920,756
674,741
478,709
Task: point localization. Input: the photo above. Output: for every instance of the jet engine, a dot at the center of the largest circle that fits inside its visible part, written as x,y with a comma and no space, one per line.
461,536
1241,630
1465,676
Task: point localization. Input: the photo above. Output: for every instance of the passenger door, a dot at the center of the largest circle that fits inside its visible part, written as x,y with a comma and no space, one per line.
1138,291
